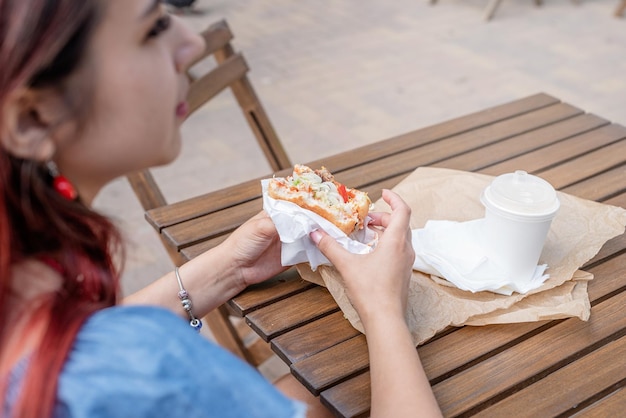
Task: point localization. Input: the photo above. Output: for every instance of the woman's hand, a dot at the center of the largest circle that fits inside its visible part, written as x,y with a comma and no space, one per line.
250,255
377,285
255,250
377,281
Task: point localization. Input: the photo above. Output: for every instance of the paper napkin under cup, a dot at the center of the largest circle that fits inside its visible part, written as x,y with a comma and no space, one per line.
454,251
294,224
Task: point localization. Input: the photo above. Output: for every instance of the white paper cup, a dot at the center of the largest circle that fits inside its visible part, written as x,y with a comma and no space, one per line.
519,209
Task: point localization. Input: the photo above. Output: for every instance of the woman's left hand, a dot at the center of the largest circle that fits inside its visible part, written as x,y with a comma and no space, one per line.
255,248
251,254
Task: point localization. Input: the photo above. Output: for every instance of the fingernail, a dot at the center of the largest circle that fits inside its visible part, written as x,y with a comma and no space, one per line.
316,236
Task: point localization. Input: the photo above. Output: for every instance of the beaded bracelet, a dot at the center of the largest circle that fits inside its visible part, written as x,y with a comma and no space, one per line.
186,302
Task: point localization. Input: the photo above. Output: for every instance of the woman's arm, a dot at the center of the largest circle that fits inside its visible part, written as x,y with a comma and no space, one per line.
377,285
250,255
399,385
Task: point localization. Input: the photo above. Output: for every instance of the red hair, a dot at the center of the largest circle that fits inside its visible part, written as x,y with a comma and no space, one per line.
41,43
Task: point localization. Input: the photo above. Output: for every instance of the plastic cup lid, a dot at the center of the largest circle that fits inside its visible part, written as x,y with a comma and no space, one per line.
521,193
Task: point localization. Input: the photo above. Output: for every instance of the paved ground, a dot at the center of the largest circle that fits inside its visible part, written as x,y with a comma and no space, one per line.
334,75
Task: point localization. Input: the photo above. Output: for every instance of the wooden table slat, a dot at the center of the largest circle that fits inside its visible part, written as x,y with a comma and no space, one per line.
285,315
194,250
442,130
520,125
279,287
526,142
185,210
601,186
350,399
612,405
612,247
522,363
617,200
600,373
434,152
587,165
184,234
568,149
333,365
449,354
558,153
396,166
611,271
319,335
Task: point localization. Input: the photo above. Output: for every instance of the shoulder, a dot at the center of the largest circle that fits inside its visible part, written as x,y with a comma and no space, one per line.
150,361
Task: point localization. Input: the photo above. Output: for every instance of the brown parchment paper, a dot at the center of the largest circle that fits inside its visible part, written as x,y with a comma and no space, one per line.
577,233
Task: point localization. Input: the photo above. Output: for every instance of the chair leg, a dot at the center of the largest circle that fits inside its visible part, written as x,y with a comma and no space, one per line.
491,8
226,335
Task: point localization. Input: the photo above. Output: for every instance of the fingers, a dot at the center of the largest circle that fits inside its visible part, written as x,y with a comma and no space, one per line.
400,212
379,218
396,223
263,223
335,253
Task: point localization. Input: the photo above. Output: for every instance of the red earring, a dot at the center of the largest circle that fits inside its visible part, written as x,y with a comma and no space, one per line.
60,183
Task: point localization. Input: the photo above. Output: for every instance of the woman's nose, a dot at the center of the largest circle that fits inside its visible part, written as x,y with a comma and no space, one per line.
189,46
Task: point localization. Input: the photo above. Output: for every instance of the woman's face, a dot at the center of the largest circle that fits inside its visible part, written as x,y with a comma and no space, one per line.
135,67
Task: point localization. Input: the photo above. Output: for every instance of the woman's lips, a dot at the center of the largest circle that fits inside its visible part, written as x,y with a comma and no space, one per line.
182,109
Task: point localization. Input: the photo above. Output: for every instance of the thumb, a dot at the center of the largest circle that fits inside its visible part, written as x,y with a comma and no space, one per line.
328,246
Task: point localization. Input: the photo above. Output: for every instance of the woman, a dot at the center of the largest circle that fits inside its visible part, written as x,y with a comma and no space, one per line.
91,90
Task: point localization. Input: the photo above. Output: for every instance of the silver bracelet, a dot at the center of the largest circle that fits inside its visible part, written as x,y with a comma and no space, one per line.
186,302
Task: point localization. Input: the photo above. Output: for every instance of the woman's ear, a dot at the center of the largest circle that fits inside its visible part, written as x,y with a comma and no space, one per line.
33,122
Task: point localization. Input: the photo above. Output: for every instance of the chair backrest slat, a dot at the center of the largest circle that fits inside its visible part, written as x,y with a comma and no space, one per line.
210,85
216,36
146,189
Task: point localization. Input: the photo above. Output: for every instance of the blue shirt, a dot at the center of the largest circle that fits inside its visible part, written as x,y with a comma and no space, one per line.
139,361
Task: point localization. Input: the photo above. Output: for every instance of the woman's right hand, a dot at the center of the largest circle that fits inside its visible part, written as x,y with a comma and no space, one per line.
377,282
377,285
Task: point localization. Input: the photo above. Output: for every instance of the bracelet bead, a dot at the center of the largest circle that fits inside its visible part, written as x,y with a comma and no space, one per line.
185,301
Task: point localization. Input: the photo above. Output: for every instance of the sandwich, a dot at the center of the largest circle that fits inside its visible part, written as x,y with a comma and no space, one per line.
319,192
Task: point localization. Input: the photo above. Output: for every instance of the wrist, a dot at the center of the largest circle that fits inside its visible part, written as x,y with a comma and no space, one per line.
186,302
381,316
210,279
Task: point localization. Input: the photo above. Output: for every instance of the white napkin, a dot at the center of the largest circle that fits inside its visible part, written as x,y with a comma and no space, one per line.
294,224
454,251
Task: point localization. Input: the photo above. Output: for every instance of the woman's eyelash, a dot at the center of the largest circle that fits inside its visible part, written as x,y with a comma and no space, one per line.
161,25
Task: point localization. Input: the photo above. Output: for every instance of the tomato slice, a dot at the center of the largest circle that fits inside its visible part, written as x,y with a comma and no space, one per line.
343,192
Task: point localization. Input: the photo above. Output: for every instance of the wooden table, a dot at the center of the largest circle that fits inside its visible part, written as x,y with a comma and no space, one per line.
539,369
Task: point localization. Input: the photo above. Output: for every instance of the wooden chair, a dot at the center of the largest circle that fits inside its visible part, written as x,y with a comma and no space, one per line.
230,72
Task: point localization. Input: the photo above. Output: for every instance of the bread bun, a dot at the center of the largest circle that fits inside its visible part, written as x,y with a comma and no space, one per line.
319,192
